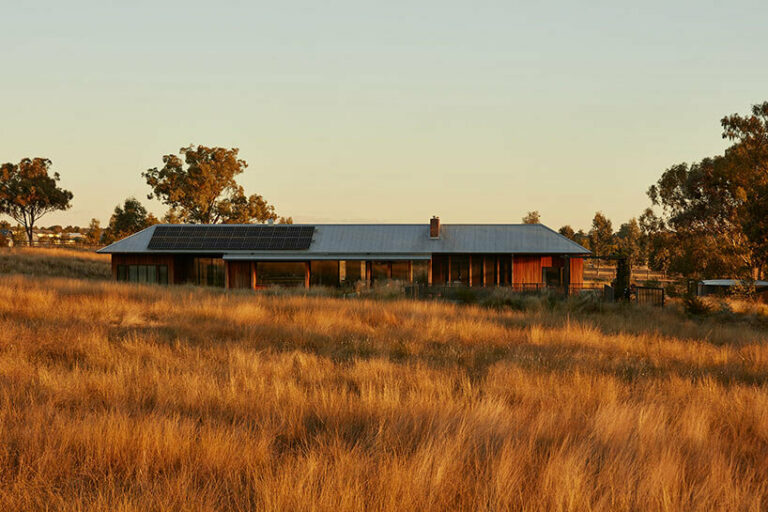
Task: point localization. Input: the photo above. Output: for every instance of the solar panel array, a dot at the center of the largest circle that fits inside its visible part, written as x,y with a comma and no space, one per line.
231,238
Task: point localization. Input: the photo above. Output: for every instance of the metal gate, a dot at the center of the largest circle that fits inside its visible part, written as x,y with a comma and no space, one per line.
651,295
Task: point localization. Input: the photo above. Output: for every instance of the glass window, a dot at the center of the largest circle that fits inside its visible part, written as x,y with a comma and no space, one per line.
552,276
505,270
353,271
380,271
273,273
440,269
143,273
162,274
459,269
133,273
324,273
420,270
209,271
122,273
401,271
152,274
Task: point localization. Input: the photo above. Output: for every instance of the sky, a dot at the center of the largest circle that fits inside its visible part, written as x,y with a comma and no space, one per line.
357,111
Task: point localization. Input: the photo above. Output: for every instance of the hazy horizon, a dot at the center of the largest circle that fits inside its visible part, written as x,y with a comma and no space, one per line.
382,113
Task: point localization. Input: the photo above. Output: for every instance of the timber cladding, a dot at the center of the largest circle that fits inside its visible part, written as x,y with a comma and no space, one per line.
527,269
577,271
239,274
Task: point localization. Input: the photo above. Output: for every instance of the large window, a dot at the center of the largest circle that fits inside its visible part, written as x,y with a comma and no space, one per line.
151,274
505,270
324,273
277,273
401,271
209,271
459,269
420,271
552,276
380,271
354,271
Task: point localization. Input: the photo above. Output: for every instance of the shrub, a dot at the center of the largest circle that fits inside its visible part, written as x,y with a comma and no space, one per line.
696,306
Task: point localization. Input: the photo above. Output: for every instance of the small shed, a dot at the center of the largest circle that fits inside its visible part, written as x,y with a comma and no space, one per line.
725,286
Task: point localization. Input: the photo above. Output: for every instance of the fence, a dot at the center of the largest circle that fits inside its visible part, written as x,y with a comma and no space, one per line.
467,293
650,295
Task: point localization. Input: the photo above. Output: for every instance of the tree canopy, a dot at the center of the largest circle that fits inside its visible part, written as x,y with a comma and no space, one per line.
28,191
715,208
568,232
94,232
131,218
199,187
532,218
630,242
601,235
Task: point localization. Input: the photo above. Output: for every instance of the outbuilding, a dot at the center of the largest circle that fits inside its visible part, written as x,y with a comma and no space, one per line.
727,286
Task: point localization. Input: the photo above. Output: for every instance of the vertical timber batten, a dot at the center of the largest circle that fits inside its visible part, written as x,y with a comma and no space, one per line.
470,271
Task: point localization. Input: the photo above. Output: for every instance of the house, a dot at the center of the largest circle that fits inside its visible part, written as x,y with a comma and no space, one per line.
255,255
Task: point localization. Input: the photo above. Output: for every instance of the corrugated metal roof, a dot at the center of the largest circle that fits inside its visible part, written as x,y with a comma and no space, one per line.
732,282
383,239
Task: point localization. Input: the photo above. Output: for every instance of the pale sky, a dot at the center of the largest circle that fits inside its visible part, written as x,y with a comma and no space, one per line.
354,111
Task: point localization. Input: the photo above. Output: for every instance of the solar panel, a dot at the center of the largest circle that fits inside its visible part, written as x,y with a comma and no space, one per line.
256,237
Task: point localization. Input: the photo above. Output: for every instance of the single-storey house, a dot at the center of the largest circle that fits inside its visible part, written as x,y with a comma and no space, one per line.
257,255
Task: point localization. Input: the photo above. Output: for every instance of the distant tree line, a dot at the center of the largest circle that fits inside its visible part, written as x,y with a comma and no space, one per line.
198,186
712,218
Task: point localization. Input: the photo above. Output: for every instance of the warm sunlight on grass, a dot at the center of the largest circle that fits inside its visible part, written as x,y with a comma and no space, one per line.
58,262
124,397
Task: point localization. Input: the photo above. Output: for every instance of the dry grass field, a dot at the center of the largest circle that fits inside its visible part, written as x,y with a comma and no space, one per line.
60,262
138,398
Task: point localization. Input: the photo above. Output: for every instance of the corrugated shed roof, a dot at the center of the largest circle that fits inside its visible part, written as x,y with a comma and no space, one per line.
732,282
382,239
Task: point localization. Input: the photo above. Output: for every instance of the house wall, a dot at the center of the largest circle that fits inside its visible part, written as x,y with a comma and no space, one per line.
527,269
145,259
577,271
239,274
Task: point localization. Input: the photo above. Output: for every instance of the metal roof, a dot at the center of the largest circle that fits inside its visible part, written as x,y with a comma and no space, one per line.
369,241
732,282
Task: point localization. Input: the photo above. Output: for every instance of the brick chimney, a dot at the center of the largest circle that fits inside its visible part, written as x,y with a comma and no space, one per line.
434,227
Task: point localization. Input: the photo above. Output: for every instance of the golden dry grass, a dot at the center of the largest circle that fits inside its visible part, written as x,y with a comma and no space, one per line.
60,262
124,397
